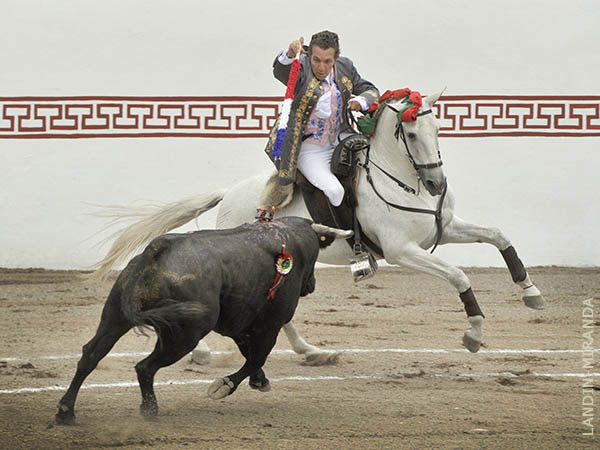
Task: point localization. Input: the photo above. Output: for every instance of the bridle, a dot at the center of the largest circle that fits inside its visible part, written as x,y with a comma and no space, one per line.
437,213
399,133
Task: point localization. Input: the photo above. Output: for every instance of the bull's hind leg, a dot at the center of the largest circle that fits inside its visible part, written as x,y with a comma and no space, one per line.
173,343
417,258
257,346
106,336
460,232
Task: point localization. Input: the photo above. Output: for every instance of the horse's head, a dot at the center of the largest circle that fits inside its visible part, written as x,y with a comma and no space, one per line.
419,139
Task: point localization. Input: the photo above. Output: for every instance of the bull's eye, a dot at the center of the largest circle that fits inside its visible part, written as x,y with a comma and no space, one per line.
412,136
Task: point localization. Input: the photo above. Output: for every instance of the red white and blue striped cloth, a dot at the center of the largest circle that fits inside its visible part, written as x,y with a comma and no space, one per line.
286,107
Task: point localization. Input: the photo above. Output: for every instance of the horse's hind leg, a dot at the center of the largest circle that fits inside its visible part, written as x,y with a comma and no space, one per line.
201,354
460,232
107,335
417,258
314,355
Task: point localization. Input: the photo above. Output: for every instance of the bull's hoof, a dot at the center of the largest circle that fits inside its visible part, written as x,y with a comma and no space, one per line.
149,411
220,388
262,386
535,302
64,416
322,359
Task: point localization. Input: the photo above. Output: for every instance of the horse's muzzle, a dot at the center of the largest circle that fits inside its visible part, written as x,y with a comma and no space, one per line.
433,180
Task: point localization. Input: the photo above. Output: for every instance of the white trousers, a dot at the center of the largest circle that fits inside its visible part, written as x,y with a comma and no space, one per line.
313,162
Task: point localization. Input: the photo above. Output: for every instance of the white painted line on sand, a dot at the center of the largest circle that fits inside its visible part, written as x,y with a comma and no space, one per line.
132,384
341,350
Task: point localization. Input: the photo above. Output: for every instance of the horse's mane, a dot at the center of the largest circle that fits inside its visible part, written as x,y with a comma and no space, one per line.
380,110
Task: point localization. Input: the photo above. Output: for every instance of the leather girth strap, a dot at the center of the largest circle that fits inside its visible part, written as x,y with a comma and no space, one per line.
341,216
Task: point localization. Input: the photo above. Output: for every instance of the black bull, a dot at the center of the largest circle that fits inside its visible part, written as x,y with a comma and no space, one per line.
186,285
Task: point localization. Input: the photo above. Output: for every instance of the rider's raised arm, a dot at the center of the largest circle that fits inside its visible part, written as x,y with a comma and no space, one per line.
283,64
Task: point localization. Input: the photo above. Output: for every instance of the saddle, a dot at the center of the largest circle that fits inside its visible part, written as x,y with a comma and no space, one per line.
344,167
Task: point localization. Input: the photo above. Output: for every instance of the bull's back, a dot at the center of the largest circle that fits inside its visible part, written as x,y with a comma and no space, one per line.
229,271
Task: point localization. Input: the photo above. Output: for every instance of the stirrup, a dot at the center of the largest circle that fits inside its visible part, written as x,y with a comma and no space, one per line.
363,265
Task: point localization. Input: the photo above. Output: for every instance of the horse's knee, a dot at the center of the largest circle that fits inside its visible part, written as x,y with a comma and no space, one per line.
458,279
499,238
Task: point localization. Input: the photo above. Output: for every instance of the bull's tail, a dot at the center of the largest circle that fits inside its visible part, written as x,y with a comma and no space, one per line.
170,315
152,223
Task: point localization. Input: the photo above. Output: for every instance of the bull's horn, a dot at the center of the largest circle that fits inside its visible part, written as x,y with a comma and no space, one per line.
336,232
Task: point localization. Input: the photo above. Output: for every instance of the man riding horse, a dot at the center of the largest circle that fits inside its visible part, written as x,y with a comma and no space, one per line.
327,88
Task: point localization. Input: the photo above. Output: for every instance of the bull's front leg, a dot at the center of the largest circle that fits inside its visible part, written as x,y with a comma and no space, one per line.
255,346
258,379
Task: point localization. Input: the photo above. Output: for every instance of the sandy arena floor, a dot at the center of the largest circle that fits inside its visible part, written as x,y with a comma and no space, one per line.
402,379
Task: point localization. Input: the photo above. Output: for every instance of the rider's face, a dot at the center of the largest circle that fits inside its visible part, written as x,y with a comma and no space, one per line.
322,60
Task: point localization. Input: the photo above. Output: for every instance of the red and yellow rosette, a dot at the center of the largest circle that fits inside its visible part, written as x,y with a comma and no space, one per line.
283,265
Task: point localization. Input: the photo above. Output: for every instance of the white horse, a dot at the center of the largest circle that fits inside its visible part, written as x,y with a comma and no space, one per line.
403,220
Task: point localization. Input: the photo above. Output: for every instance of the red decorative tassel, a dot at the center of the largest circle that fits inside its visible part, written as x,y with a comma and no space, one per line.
283,265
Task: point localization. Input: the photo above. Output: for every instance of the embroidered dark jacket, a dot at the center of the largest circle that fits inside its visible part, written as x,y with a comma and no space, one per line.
307,93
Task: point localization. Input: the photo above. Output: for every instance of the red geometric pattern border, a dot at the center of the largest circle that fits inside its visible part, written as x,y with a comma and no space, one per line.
481,116
236,117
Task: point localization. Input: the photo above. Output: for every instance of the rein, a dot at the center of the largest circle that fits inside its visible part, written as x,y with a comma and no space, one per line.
437,213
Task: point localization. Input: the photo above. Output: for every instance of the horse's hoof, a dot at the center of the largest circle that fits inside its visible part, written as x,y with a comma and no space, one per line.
322,359
474,335
220,388
201,354
201,357
262,387
535,302
470,342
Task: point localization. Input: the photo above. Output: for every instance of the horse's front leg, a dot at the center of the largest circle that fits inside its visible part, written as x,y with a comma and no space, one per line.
460,232
417,258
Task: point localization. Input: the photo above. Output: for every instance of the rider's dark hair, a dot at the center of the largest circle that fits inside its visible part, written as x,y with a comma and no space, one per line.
325,39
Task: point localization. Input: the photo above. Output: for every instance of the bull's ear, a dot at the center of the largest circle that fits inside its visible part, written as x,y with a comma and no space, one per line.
327,234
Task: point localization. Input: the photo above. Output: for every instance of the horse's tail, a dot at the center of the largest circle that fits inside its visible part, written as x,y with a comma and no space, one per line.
152,223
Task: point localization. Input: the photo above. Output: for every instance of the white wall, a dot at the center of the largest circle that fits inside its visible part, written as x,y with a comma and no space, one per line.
541,191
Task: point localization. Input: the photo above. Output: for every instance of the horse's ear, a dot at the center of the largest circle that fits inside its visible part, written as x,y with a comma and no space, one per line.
432,98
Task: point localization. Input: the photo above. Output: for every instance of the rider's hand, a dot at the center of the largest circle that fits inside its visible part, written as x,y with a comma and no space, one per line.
295,47
353,105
